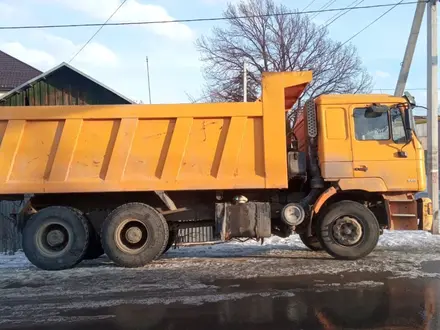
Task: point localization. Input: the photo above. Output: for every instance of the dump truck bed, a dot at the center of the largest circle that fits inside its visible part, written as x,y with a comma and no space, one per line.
61,149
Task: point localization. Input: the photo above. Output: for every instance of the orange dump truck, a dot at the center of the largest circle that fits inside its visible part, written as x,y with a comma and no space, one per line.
123,179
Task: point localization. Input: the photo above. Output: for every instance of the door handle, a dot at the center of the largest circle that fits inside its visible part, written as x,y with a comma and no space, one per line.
361,168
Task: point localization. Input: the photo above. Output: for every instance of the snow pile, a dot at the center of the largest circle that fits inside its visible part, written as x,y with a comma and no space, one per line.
396,241
17,260
404,241
417,240
402,238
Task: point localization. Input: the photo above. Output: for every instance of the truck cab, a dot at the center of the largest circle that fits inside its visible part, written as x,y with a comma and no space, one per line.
367,147
366,141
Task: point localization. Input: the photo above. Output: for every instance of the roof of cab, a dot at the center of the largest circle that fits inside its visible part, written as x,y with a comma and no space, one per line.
335,99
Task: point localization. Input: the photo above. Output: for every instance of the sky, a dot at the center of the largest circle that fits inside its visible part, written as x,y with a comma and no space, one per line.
117,55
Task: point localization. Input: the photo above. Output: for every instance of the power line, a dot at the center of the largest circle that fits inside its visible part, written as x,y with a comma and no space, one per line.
100,28
366,27
334,18
326,5
407,89
310,3
211,19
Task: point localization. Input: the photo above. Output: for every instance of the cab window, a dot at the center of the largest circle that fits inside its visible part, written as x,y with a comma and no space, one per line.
398,127
371,126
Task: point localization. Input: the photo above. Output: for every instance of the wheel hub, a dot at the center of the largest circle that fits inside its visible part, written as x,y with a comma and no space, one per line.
133,235
347,231
55,238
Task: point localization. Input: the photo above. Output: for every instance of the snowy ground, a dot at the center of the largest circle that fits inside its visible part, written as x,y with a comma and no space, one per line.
188,275
400,246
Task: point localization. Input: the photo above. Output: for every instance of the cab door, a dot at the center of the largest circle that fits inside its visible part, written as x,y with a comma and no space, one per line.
380,150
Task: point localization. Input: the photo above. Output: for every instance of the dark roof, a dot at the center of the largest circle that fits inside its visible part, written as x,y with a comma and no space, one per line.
14,72
67,66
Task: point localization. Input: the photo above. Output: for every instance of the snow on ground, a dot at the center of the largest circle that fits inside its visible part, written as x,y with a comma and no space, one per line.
410,240
400,253
403,241
390,240
17,260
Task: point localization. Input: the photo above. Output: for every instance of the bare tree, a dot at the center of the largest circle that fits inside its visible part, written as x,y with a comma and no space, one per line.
268,38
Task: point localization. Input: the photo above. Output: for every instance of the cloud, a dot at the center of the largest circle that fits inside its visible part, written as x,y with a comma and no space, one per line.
381,74
54,50
94,54
6,10
132,11
38,58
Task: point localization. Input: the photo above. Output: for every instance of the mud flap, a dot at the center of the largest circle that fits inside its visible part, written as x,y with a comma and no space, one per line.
424,213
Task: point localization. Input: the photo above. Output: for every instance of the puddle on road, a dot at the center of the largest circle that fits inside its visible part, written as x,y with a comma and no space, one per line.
297,282
432,266
396,304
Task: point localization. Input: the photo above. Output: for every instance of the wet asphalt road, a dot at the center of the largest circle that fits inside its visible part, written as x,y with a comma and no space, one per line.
340,301
277,287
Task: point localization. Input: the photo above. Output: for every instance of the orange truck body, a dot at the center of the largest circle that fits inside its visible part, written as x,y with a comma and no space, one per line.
62,149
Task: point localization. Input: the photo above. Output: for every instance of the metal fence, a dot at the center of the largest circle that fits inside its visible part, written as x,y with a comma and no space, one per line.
10,237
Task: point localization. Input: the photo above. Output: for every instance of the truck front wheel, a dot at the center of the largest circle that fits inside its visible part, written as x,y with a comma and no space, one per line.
348,230
56,238
312,242
134,234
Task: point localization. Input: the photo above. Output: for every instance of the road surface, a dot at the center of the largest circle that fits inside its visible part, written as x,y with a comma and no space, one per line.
279,285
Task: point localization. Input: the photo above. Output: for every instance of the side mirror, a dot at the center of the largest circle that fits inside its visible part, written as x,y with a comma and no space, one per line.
378,108
409,98
408,124
375,111
409,134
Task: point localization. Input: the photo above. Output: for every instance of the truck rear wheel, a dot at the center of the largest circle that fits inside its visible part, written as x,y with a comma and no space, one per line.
56,238
348,230
171,240
95,250
134,234
312,242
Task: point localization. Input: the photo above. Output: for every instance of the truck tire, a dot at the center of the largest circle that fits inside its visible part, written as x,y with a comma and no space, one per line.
348,230
312,242
134,234
171,240
55,238
94,250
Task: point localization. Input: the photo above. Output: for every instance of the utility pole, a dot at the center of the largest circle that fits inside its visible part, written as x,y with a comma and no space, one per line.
410,47
432,61
148,77
244,81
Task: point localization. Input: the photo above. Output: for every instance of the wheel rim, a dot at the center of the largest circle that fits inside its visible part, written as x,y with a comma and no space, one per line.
53,239
131,236
347,231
